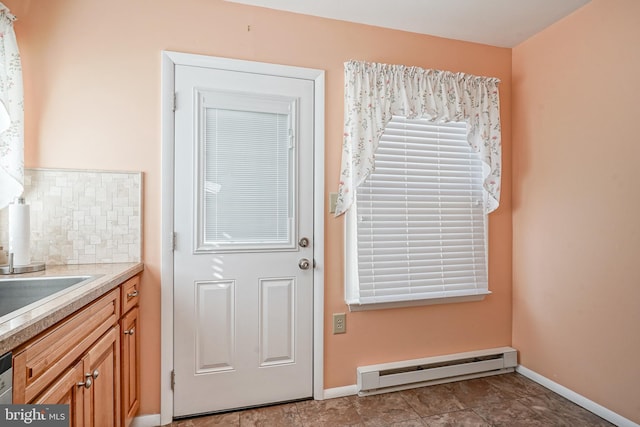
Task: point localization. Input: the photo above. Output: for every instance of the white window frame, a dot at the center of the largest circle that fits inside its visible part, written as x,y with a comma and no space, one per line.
352,285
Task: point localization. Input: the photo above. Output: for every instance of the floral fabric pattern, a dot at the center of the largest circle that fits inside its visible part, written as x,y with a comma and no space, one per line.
11,112
376,92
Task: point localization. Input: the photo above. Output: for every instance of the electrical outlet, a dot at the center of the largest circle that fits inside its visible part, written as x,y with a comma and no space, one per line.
339,323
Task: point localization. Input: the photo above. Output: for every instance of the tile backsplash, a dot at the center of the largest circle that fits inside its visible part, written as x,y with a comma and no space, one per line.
81,216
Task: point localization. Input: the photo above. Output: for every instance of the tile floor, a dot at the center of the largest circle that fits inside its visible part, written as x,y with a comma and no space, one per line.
503,400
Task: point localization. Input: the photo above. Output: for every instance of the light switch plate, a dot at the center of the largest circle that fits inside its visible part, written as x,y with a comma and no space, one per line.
333,200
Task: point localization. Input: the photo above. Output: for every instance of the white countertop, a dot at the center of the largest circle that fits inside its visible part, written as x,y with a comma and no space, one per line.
17,329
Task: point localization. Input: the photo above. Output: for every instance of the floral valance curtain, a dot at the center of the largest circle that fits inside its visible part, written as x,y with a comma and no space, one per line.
376,92
11,112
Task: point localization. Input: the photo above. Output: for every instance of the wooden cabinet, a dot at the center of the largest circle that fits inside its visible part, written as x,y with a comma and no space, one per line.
102,368
89,361
91,386
65,390
40,361
130,334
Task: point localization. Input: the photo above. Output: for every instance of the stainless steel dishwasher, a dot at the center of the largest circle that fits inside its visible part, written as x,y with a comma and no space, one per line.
6,380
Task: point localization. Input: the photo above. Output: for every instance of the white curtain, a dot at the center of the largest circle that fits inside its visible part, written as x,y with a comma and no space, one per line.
376,92
11,112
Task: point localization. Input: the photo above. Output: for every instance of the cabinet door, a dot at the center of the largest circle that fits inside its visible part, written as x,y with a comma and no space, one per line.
67,390
102,364
130,366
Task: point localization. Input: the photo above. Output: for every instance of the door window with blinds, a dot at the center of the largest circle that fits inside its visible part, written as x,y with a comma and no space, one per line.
247,168
417,232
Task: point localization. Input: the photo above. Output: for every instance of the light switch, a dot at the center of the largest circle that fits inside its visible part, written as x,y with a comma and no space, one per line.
333,200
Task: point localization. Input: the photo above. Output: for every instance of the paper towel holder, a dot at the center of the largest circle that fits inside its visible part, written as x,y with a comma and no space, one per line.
22,267
19,269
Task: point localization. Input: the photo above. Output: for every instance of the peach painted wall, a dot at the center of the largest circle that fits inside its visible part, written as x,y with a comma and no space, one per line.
92,89
576,206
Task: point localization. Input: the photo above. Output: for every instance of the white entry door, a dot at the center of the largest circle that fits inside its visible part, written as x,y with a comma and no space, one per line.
243,260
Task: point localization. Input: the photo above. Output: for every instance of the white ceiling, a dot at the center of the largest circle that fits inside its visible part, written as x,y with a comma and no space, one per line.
503,23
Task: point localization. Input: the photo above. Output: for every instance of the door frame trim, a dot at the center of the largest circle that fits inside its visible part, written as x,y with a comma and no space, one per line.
169,61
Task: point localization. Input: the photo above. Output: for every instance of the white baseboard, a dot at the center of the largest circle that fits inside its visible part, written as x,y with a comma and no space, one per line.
576,398
332,393
152,420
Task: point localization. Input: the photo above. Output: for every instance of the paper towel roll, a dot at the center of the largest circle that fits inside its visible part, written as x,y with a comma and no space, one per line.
19,233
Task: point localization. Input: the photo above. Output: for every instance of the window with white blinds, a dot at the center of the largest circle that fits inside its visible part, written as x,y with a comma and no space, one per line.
417,231
247,171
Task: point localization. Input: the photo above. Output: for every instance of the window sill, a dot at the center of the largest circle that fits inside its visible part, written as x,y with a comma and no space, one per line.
358,306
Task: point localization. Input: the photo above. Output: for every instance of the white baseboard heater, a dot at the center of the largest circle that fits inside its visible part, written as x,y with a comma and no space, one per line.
386,377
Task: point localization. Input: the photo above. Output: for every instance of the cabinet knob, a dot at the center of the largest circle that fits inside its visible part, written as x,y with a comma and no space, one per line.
132,294
130,331
95,374
87,383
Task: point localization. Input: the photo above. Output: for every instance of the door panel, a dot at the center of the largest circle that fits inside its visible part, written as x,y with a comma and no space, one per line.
243,308
277,338
215,332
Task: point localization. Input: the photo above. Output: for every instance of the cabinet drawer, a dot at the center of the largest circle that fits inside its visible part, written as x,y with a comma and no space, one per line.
130,293
43,359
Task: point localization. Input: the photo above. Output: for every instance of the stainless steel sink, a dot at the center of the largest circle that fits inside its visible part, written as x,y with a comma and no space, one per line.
17,294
